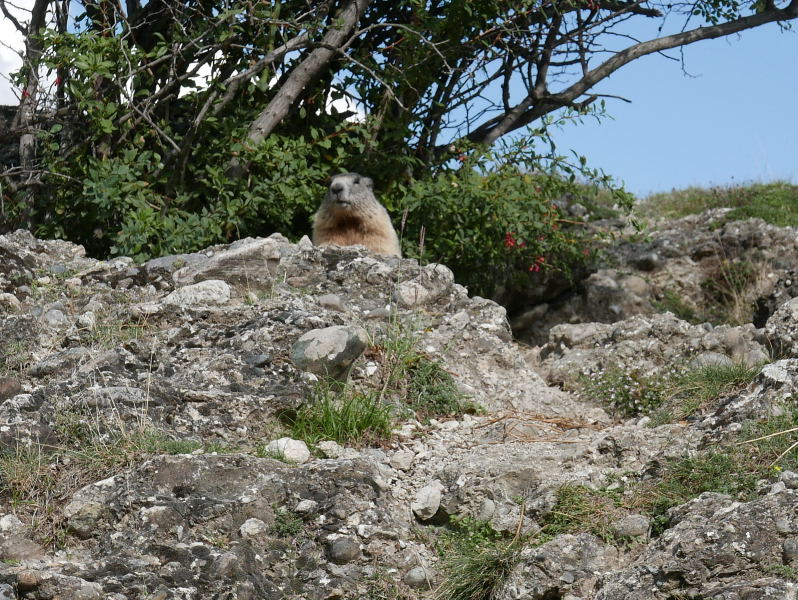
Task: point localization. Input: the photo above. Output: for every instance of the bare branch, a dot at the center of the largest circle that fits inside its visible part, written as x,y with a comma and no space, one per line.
306,71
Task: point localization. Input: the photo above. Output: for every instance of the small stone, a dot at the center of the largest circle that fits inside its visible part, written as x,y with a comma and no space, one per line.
331,449
9,387
83,517
568,577
9,303
486,509
790,479
28,580
710,359
73,283
253,528
329,351
789,548
87,320
417,577
11,524
17,547
784,525
55,318
258,360
343,550
306,507
227,564
647,261
402,460
428,500
295,451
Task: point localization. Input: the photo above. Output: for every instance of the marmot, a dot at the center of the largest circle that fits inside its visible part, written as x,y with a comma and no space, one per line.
350,214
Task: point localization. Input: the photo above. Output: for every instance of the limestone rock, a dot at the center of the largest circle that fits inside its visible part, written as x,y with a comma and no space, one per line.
428,500
782,329
295,451
329,351
211,291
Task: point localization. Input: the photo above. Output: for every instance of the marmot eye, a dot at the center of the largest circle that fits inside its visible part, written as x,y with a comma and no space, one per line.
357,179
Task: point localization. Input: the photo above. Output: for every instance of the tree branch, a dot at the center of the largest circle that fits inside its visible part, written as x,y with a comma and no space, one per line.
306,71
532,108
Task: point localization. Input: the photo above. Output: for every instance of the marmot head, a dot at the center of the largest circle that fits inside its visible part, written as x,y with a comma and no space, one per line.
347,191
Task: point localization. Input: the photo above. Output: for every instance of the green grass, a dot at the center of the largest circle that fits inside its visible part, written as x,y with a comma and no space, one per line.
776,203
683,479
286,523
698,388
672,302
580,509
413,380
341,414
476,560
665,395
763,449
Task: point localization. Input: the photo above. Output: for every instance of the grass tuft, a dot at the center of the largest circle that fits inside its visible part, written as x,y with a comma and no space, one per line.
414,380
341,414
476,560
580,509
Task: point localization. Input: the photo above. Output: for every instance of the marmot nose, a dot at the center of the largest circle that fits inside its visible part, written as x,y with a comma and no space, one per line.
337,188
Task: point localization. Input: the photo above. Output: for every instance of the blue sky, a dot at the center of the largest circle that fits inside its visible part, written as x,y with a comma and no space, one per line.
733,121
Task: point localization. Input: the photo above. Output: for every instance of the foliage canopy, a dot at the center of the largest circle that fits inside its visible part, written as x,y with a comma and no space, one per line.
163,126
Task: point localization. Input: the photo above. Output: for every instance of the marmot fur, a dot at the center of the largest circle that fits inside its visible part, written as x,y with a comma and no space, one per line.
350,214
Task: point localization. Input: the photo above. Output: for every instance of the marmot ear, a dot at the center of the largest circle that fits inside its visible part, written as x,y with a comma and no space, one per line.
368,182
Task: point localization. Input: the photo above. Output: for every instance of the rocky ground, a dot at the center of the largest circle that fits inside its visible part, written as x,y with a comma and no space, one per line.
146,451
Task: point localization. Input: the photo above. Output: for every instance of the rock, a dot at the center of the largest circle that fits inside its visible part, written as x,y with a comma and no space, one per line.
782,329
11,524
710,359
402,460
343,550
253,528
418,577
330,351
306,507
87,320
428,500
632,526
431,284
211,291
186,399
55,318
333,302
567,564
295,451
19,548
332,449
247,262
646,261
9,303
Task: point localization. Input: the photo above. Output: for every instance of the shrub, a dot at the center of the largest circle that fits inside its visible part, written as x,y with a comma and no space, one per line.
628,392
